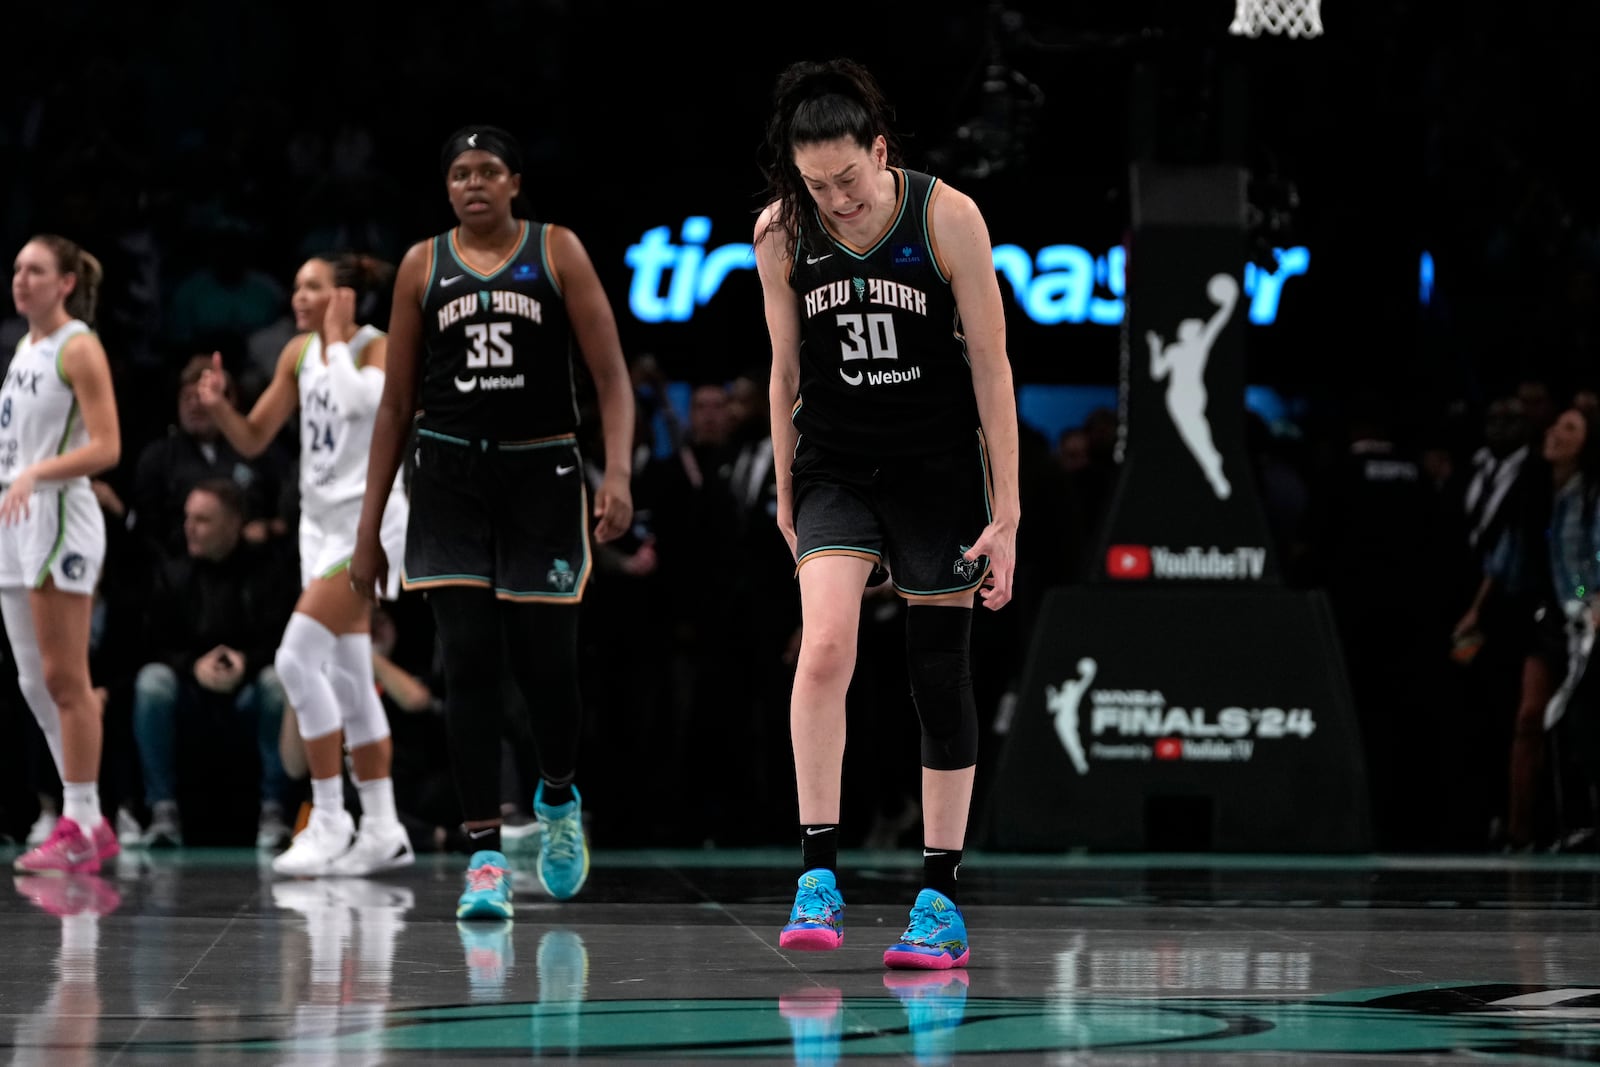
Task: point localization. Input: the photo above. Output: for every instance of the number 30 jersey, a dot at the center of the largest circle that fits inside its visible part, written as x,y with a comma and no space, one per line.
883,362
497,347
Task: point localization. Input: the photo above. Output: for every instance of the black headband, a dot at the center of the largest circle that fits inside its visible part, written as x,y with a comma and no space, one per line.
489,139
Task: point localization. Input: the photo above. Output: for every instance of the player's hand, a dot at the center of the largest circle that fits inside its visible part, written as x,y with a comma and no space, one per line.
212,389
339,317
999,542
613,508
786,524
14,501
369,566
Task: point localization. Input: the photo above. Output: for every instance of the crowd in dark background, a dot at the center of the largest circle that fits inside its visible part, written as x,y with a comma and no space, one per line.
202,166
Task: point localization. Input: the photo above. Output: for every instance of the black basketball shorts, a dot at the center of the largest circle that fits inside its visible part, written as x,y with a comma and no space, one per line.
914,517
511,517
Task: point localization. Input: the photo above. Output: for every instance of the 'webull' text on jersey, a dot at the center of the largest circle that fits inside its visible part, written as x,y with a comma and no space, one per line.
883,362
497,346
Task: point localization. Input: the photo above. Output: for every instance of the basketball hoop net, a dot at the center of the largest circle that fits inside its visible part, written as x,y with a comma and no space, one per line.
1292,18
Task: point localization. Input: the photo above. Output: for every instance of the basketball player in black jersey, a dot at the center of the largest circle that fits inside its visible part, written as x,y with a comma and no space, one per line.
895,436
481,340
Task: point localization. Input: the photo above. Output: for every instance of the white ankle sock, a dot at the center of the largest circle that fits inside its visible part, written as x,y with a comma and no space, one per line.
327,794
80,802
377,800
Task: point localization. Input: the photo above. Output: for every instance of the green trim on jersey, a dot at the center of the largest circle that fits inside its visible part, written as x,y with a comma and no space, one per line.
61,368
66,434
61,540
305,350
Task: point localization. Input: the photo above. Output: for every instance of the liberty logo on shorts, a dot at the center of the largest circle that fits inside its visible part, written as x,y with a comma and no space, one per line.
966,569
562,576
74,566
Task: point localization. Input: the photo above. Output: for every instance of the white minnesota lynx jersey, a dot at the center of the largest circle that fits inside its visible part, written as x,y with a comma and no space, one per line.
333,446
39,415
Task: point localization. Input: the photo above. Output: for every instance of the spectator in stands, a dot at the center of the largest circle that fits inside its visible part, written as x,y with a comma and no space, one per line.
193,450
213,621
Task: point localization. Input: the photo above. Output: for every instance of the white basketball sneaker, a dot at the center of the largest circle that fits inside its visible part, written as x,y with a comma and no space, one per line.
380,846
327,836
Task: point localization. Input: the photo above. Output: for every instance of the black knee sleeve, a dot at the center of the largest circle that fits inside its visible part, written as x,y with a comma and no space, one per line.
543,644
469,633
939,662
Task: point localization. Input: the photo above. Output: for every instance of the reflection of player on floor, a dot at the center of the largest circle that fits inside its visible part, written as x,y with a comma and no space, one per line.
352,925
65,1029
936,1003
1184,363
815,1025
563,969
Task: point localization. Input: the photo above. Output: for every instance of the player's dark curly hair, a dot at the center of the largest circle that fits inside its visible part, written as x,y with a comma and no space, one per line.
815,102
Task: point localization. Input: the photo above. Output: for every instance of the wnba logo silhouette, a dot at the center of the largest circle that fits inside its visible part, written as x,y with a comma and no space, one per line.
1063,704
1181,363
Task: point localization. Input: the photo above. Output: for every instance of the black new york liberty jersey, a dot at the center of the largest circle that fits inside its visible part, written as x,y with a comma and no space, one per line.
883,363
497,347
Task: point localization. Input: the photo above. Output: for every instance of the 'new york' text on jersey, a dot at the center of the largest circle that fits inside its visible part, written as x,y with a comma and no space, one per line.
497,346
883,362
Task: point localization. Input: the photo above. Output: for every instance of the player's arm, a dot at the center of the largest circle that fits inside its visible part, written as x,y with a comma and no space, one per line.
252,433
961,240
783,330
356,390
397,404
595,327
87,370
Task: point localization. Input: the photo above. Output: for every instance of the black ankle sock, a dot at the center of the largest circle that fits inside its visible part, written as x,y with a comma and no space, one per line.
556,795
483,837
819,845
939,867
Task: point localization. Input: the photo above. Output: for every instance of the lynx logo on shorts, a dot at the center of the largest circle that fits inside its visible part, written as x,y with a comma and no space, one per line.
966,569
74,566
562,576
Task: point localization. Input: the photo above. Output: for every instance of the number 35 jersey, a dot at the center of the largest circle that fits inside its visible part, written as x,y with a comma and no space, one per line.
39,415
497,347
883,362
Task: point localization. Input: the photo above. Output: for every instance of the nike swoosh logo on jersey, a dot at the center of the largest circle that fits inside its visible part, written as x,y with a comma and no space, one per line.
450,280
817,259
466,386
566,470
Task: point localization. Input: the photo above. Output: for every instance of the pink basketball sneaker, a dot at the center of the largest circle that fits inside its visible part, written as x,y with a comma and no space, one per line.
68,850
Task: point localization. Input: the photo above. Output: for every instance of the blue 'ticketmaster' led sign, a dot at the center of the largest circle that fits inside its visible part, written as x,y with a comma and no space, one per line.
1055,284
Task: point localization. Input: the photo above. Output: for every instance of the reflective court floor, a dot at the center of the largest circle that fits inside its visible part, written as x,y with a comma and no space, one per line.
202,956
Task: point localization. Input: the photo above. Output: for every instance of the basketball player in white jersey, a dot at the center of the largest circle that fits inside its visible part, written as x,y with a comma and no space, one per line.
58,426
333,372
